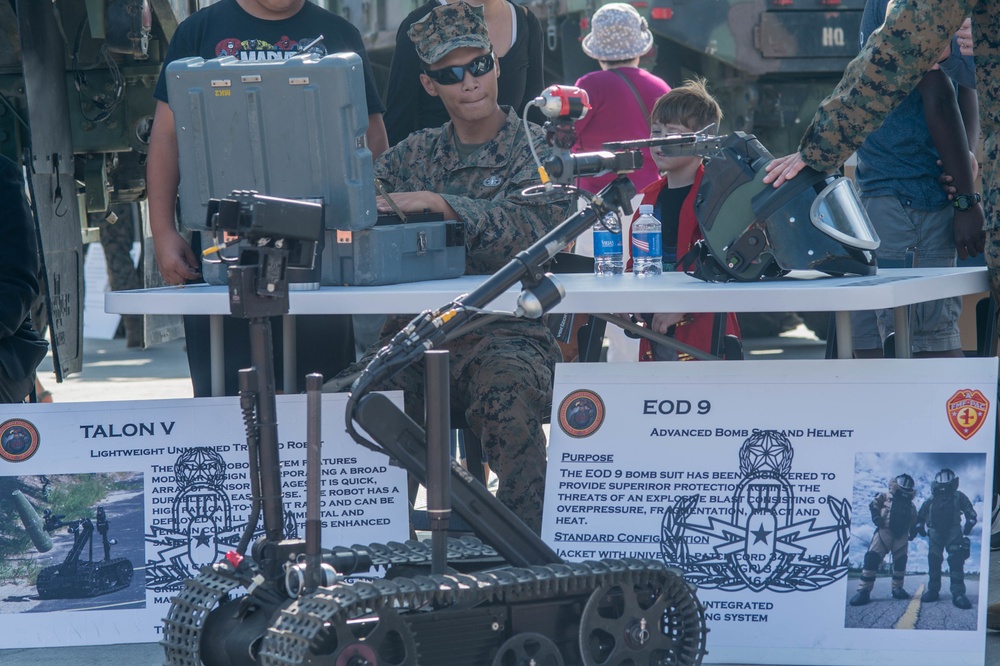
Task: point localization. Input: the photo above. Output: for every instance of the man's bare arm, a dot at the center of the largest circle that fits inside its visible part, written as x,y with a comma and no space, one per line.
944,121
174,256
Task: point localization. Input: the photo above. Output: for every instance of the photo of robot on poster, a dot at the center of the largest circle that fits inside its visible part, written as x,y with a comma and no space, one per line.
72,542
108,507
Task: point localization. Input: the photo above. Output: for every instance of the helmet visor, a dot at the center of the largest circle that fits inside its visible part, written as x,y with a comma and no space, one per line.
838,213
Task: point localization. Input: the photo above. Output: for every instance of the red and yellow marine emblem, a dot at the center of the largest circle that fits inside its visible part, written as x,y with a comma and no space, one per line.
581,413
967,411
18,440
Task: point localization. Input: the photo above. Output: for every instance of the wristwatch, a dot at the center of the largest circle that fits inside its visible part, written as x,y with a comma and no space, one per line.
964,202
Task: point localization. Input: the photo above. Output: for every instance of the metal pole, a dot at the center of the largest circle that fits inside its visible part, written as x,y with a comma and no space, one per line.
437,396
267,420
314,401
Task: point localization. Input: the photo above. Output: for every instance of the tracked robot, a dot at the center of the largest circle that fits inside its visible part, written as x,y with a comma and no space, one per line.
502,598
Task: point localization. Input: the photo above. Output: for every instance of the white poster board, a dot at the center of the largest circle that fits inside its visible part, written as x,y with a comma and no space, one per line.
167,481
98,324
756,479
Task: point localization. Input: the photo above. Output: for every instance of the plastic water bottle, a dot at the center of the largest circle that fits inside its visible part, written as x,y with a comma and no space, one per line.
647,243
607,248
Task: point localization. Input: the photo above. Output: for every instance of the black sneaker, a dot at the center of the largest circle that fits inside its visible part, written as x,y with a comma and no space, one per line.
961,601
900,593
930,595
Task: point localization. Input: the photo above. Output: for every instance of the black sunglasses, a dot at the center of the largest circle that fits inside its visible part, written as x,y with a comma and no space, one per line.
454,74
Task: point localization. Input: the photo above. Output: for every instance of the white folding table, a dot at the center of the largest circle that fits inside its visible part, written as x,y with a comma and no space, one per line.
673,292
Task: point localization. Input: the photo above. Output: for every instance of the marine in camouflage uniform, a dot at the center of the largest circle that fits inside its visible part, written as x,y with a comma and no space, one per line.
895,517
940,520
117,238
889,66
502,372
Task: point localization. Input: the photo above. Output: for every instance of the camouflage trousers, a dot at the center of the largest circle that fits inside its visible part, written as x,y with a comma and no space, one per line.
116,240
993,261
501,382
992,252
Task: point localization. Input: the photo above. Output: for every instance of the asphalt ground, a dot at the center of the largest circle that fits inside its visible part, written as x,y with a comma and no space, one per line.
113,372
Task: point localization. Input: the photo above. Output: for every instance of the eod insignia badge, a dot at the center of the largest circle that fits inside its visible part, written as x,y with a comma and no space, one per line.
762,540
967,411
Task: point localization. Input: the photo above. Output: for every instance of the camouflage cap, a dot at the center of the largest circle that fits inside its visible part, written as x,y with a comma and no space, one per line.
447,28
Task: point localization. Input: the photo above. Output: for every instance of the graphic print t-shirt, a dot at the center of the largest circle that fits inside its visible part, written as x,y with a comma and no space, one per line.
224,29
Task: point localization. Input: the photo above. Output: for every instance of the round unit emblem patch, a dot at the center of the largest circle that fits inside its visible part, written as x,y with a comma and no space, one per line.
18,440
581,413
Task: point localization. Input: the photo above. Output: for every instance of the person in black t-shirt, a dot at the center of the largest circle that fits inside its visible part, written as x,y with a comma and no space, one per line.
21,348
250,30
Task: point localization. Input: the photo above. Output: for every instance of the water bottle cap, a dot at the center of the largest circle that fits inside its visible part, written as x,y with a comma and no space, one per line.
646,209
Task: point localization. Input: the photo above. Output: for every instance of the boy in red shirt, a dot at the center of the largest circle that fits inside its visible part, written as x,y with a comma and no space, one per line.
688,108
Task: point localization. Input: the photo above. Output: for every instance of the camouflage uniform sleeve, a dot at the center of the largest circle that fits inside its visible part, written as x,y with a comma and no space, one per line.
889,66
500,227
388,165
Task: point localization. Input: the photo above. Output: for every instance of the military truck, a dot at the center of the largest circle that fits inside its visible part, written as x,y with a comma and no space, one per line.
768,62
76,107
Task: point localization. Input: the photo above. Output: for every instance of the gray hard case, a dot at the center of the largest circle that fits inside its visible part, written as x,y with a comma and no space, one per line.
286,128
394,253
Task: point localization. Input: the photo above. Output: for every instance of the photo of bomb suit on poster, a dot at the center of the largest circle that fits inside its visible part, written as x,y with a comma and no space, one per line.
916,541
766,483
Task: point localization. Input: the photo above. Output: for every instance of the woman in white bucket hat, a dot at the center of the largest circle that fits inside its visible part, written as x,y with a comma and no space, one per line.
621,93
617,32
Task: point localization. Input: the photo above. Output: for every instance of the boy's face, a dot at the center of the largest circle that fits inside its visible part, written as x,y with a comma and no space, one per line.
668,164
472,99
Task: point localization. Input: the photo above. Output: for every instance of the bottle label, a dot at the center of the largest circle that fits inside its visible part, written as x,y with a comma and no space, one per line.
607,243
647,244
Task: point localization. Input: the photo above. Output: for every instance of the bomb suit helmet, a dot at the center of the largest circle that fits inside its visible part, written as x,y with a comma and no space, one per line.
944,482
902,485
754,231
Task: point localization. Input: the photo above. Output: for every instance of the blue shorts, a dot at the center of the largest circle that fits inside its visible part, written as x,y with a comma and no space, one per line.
934,325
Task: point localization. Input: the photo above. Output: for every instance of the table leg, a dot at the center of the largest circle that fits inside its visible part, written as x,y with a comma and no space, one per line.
845,346
901,319
218,351
288,354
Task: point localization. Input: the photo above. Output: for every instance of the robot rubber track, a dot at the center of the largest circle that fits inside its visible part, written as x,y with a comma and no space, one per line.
598,612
